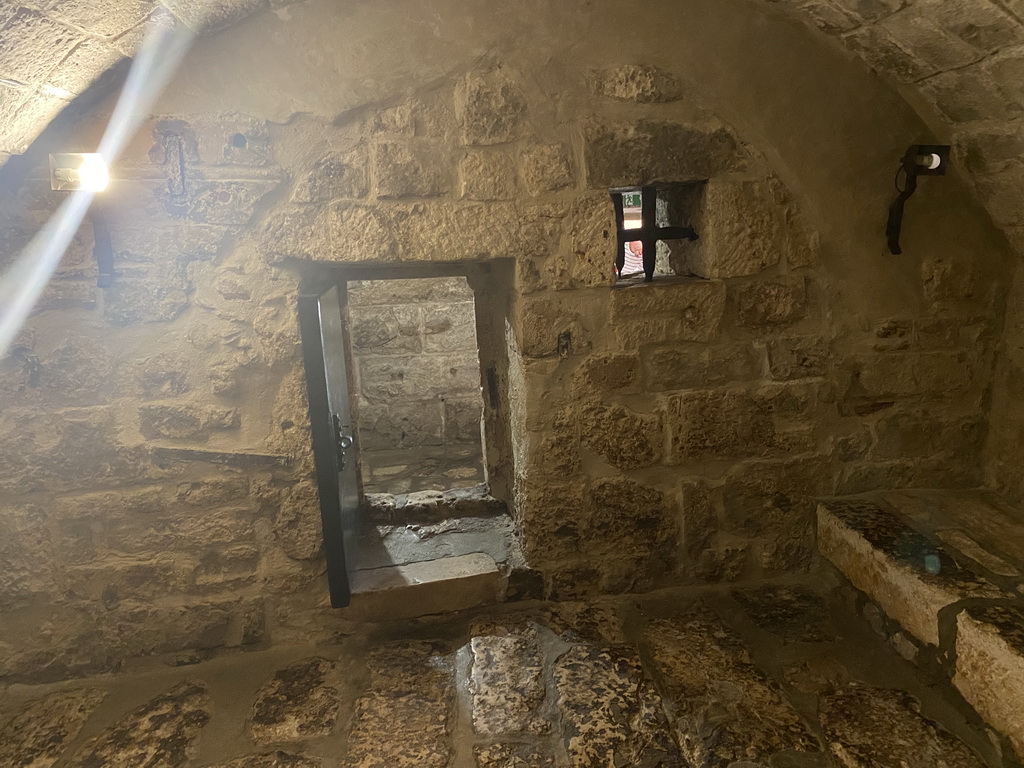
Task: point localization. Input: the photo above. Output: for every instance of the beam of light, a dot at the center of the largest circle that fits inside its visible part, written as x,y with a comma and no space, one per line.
24,282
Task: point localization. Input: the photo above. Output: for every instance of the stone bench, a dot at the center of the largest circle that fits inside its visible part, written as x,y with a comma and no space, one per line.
948,568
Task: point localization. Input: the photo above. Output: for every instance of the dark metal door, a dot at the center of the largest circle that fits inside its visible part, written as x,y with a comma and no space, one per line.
324,354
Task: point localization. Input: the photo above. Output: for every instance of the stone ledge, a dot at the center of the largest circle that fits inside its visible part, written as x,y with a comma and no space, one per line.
909,574
417,589
990,666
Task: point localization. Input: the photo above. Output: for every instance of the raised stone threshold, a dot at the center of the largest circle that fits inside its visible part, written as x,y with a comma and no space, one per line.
436,552
948,568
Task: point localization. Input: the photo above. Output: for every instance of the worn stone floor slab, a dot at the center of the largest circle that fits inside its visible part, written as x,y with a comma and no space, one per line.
38,735
512,755
611,713
404,718
910,575
272,760
869,727
163,733
298,702
793,614
506,682
724,709
990,667
419,589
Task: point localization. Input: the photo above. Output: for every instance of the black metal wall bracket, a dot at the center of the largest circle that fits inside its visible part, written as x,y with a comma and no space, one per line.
649,233
919,160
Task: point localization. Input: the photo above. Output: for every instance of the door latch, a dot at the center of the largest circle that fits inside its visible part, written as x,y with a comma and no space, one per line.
343,440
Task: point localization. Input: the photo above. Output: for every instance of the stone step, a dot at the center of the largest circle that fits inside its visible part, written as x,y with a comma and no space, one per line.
990,666
443,585
927,556
910,575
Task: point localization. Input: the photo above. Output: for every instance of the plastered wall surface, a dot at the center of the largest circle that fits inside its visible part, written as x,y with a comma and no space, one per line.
155,465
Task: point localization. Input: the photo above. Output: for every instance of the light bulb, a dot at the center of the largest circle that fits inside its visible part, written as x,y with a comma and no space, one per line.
93,174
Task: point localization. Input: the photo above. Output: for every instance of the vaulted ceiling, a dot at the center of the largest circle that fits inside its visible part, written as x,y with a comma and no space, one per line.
961,61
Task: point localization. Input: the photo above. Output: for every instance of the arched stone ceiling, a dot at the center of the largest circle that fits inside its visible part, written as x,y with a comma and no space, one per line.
963,60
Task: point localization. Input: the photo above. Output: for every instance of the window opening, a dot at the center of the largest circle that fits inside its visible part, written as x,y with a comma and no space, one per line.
417,384
641,224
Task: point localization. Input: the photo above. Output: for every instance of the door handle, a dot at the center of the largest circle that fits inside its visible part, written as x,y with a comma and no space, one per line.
343,440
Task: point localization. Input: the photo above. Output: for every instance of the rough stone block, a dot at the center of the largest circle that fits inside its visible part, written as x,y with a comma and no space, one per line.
625,439
462,420
628,518
306,233
560,325
984,26
910,434
410,169
600,375
276,759
506,681
741,229
206,17
698,657
450,328
546,168
771,302
667,312
513,755
646,151
718,424
382,330
487,175
417,589
698,519
185,422
549,518
34,45
593,242
920,31
230,203
40,733
910,576
876,46
298,702
867,726
774,497
797,357
491,107
297,522
869,10
168,725
990,666
698,367
334,176
403,720
611,712
640,83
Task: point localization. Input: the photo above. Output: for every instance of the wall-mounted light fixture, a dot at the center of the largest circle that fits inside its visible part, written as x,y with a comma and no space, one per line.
87,171
920,160
78,170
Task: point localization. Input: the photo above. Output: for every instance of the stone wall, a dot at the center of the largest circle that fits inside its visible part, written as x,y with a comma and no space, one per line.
154,449
417,376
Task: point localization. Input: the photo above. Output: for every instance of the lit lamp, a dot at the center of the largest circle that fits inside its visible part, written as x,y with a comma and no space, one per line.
87,171
78,170
920,160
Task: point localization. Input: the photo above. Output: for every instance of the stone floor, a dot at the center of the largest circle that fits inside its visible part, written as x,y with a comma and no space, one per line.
784,676
945,572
